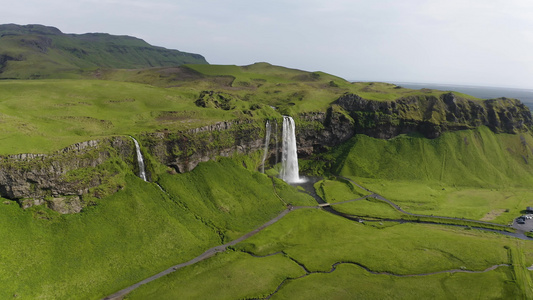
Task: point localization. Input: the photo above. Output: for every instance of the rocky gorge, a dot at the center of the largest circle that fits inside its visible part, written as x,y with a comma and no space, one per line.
66,180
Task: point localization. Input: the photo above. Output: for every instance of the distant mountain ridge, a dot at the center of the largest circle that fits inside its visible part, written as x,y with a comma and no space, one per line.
37,51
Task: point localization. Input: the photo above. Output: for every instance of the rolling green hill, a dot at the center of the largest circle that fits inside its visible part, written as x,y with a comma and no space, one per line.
36,51
45,115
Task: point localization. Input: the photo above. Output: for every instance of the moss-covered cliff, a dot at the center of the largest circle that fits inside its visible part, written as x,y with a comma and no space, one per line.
183,150
431,115
67,180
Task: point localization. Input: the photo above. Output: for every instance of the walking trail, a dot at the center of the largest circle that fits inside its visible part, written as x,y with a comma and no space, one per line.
310,190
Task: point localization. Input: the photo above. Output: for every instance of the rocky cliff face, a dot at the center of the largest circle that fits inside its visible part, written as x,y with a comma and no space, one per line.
316,132
184,150
61,179
431,116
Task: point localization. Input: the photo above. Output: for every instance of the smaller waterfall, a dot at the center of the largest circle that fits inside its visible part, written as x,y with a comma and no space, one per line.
140,161
265,149
276,135
289,158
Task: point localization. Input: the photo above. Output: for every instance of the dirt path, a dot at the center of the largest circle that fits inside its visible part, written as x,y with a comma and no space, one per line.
210,252
221,248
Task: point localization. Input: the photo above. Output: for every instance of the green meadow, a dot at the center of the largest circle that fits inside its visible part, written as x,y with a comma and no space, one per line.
317,240
499,205
333,191
46,115
228,275
475,158
351,282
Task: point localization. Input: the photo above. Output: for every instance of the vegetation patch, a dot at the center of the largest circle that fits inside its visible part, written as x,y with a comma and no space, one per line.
215,100
333,191
493,214
131,229
403,249
488,160
227,197
434,198
369,208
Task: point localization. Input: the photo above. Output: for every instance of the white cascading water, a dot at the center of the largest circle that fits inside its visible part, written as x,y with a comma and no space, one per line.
140,161
265,149
276,135
289,156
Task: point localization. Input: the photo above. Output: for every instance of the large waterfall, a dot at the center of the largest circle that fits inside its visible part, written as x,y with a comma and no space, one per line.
140,161
265,149
289,158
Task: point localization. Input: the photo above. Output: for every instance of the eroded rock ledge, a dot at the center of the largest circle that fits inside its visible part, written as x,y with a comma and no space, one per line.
184,150
61,180
431,116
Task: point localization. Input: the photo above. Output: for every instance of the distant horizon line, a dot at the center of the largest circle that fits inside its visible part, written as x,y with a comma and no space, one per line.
530,89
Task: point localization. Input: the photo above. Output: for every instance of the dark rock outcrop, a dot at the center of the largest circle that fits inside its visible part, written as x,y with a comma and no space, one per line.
213,99
185,149
431,116
317,132
36,179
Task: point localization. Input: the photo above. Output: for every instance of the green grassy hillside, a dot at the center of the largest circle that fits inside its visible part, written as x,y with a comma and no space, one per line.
106,85
468,158
130,235
473,174
35,51
45,115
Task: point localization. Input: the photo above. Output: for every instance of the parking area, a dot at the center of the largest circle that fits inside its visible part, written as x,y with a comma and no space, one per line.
524,223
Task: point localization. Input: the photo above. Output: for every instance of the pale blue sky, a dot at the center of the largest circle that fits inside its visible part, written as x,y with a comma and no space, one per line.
478,42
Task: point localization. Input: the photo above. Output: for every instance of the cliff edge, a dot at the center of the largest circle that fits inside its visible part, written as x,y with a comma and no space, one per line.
62,180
